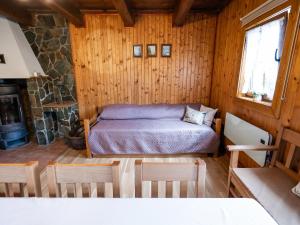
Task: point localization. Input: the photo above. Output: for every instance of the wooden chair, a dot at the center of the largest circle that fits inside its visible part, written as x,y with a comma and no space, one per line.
74,179
169,172
271,186
20,179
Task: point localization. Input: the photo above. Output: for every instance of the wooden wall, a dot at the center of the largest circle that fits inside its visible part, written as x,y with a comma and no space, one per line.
229,45
291,107
107,73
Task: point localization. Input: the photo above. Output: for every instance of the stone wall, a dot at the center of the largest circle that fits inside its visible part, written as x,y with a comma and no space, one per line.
50,118
49,39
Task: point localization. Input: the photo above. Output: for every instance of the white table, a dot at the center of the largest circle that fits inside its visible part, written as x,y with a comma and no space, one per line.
45,211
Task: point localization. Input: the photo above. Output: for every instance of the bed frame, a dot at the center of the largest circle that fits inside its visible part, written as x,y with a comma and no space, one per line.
89,123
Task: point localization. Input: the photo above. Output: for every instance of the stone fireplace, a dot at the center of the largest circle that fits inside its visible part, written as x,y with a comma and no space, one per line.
51,116
52,98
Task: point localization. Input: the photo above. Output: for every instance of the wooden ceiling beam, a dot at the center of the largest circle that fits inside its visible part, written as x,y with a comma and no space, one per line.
124,12
181,12
66,9
15,13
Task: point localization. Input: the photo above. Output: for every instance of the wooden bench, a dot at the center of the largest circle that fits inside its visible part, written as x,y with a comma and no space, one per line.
270,186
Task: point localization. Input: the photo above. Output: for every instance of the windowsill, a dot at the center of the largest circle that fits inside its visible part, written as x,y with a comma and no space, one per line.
262,107
265,103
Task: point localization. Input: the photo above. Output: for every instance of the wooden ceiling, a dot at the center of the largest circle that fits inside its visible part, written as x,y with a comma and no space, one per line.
21,10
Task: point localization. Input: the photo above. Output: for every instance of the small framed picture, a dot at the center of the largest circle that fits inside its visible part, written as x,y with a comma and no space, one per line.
151,50
137,50
166,50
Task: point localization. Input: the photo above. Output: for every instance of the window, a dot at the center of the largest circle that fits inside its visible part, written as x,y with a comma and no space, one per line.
261,59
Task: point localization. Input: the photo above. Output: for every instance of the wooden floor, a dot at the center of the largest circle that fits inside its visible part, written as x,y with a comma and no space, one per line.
33,151
216,178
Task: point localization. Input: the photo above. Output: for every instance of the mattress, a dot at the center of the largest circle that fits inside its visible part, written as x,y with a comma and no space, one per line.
151,136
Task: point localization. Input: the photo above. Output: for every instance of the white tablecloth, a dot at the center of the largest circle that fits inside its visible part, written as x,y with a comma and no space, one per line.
45,211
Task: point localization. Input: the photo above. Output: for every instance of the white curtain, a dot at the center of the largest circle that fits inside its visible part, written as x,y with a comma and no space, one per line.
260,69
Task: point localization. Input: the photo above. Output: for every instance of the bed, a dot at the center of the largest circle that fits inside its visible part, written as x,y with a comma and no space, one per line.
148,129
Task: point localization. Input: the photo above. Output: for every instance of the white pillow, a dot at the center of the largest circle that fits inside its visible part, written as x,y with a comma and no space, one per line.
209,114
296,190
193,116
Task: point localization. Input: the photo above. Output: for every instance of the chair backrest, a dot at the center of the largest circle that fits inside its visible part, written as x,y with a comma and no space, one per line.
79,180
288,157
20,179
170,172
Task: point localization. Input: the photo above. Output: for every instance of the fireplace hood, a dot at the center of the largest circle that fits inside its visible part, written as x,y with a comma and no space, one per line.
17,59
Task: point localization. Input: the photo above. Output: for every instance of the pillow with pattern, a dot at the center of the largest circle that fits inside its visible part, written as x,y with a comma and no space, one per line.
193,116
209,115
296,190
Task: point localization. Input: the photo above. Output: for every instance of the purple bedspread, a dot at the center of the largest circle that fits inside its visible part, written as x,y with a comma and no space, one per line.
151,111
149,136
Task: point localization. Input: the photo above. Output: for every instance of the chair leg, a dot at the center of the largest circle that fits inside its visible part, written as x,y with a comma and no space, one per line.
229,194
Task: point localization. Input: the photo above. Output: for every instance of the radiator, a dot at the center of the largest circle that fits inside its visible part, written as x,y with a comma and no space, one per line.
240,132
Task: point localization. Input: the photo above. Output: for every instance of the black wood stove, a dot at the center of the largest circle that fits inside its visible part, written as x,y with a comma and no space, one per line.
13,132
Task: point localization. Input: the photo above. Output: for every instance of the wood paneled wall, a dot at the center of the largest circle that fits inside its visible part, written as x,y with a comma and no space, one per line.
291,111
106,72
229,45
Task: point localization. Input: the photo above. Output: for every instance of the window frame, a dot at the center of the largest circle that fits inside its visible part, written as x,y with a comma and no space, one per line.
269,108
261,23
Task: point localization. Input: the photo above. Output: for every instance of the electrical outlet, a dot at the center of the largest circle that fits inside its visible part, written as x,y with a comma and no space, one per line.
2,59
262,141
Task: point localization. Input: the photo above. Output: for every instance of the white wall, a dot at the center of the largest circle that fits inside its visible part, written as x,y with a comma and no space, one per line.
19,57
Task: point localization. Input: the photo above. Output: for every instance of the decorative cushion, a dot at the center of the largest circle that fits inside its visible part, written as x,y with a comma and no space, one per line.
296,190
209,114
193,116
